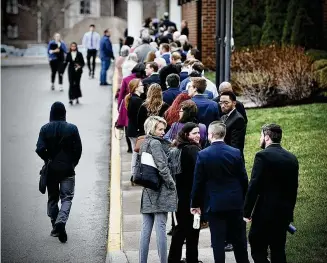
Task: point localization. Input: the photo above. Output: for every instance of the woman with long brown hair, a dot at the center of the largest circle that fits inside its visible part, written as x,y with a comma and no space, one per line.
150,57
153,106
133,102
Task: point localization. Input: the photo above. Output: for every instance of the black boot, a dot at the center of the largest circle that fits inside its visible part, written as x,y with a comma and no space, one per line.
54,232
61,229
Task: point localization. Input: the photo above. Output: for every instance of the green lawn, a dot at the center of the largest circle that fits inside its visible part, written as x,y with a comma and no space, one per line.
304,134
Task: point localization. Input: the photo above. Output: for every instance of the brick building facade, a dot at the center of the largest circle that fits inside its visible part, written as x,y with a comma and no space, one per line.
201,17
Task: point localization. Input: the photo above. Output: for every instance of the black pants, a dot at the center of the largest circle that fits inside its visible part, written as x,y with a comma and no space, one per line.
230,222
63,188
128,141
184,230
268,234
75,85
56,65
91,53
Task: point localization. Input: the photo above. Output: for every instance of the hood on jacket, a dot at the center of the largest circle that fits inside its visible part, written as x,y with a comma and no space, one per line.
58,112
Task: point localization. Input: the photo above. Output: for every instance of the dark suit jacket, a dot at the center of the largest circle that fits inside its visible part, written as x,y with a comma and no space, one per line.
220,180
235,130
170,95
239,106
169,69
132,112
79,60
273,186
207,110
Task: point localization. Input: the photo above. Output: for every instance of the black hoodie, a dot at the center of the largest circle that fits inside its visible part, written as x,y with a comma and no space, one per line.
59,135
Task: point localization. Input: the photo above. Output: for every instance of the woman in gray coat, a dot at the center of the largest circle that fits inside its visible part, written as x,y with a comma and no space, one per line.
155,205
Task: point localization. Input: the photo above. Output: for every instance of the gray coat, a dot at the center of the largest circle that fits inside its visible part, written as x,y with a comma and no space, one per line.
165,199
142,51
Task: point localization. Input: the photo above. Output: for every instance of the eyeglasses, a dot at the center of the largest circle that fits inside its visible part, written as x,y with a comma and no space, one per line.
224,102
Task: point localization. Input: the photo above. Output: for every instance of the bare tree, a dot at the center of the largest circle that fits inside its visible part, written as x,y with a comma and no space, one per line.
49,13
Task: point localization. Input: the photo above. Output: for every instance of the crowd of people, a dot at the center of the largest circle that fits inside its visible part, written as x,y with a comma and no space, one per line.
195,134
189,136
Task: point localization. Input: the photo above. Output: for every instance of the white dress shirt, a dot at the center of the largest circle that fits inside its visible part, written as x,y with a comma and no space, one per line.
91,40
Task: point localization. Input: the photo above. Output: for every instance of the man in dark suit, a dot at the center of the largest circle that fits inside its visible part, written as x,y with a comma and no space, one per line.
226,86
219,187
271,198
151,70
235,124
173,91
207,109
175,66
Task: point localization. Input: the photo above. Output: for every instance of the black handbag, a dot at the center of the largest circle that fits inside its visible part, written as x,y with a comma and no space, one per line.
146,173
44,178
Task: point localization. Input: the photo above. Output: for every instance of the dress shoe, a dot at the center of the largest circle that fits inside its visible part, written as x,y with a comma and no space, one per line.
229,248
71,102
77,101
104,84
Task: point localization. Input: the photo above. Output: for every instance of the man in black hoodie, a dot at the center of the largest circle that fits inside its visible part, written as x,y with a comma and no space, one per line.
60,146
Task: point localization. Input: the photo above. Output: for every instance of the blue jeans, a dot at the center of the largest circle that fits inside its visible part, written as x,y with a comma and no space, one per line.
160,220
62,188
105,64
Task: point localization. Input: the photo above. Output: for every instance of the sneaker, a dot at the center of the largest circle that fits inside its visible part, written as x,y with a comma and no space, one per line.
61,88
60,227
54,233
52,86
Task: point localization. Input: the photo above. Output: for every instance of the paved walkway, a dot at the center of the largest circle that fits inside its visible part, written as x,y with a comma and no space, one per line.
26,102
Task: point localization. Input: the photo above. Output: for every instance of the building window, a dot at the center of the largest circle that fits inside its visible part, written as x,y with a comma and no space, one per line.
85,7
12,7
12,31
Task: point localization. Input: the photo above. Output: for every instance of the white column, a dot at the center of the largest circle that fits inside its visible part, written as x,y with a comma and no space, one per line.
134,17
175,13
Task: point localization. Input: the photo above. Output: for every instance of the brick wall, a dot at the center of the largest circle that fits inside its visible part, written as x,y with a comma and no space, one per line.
208,33
189,13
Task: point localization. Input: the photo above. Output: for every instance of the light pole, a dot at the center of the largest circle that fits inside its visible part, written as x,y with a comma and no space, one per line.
223,39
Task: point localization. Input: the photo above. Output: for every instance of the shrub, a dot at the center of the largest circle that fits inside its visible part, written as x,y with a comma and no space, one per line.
316,54
273,75
320,72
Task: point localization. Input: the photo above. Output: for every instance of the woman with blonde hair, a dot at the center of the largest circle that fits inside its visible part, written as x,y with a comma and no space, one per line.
56,53
155,205
133,102
153,106
129,63
124,52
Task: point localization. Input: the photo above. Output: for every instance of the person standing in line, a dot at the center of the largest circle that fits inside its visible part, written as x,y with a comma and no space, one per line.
172,83
106,54
185,31
153,106
56,53
226,86
59,145
152,75
155,205
271,198
75,69
207,109
188,143
91,41
219,188
235,124
133,102
124,52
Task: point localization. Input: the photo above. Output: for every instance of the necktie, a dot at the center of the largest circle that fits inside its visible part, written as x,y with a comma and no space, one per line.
92,40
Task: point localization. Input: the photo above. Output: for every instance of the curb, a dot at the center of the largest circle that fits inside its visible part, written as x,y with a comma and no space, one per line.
114,244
